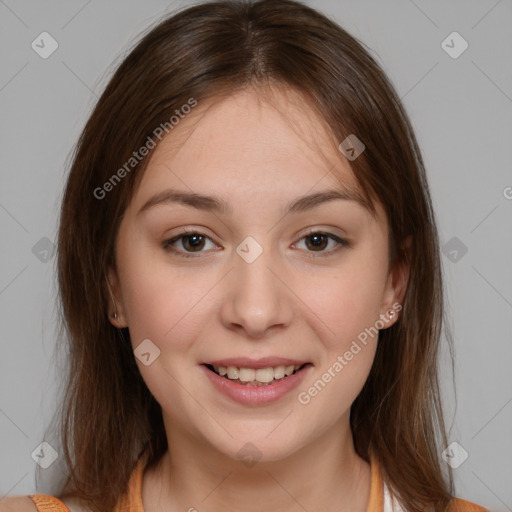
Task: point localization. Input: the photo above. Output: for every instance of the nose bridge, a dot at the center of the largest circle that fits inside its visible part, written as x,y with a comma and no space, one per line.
256,298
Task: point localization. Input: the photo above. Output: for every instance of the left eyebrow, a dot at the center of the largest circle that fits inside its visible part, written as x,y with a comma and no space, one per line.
218,205
308,202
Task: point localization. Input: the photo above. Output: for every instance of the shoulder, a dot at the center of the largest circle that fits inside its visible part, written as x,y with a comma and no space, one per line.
74,505
17,504
460,505
40,502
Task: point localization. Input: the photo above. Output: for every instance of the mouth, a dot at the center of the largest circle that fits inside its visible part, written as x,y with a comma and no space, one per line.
263,376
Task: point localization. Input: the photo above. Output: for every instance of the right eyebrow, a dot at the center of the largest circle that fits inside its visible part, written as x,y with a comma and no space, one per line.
198,201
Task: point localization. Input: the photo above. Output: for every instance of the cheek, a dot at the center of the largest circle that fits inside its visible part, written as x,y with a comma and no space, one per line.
163,305
163,302
147,307
348,301
348,307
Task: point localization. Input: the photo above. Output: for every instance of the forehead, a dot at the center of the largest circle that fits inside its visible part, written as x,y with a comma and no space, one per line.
253,143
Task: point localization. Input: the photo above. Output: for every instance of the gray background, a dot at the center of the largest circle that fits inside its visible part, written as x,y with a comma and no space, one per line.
461,109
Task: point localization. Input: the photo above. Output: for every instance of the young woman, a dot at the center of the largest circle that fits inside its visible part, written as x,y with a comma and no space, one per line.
250,279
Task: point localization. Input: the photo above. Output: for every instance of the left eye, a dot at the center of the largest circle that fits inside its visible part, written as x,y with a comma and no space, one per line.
319,240
193,242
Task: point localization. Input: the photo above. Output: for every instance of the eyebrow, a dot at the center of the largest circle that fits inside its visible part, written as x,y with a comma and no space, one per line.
220,206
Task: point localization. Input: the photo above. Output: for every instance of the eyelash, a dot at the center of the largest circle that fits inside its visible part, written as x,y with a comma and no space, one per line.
167,245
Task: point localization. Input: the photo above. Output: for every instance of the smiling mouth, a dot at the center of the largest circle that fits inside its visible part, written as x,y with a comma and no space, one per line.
256,377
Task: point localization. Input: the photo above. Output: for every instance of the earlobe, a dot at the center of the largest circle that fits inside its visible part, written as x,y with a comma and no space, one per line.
115,309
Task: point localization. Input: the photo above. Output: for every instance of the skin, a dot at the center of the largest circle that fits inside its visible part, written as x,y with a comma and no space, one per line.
258,152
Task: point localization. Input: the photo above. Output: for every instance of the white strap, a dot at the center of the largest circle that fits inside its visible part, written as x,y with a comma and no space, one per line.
390,504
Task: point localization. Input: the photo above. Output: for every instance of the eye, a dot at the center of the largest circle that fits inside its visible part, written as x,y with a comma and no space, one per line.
317,241
190,241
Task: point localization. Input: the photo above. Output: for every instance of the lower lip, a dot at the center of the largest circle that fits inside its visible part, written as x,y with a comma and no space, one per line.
256,395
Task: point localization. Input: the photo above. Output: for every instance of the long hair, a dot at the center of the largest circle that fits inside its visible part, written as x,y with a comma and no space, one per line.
109,417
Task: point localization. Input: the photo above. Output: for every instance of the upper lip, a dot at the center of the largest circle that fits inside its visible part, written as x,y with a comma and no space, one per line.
264,362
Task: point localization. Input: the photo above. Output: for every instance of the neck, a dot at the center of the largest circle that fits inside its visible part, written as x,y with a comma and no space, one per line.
324,475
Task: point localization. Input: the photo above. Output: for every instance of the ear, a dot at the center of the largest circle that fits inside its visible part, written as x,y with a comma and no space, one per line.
115,304
396,285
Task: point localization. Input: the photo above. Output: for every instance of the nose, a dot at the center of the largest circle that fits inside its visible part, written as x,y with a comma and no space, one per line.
257,299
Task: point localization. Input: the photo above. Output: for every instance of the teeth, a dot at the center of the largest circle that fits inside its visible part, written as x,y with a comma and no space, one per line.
248,375
288,370
262,375
232,372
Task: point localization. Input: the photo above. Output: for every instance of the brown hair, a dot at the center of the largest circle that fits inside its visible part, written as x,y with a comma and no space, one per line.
109,416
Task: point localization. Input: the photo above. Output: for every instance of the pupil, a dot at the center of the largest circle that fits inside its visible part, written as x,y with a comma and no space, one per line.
196,240
316,240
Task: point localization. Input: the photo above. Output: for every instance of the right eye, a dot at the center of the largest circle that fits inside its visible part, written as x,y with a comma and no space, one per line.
191,241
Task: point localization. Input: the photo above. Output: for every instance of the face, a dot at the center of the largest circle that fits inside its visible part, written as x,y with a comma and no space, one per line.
254,284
